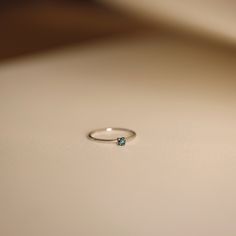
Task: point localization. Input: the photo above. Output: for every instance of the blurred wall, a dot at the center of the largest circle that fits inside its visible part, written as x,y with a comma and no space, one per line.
33,26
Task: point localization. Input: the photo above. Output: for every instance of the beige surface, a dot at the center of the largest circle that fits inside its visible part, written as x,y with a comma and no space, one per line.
215,18
178,176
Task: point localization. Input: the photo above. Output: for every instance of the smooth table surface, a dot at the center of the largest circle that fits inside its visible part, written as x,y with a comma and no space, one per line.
176,178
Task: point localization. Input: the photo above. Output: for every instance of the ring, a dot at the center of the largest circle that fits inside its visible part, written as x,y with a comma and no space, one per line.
112,135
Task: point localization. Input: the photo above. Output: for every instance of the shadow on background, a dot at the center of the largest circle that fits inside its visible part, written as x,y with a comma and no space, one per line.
34,26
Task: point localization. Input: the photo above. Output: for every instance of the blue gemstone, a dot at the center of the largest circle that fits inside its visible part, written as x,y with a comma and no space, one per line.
121,141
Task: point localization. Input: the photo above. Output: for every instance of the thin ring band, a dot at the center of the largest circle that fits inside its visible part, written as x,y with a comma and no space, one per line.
121,141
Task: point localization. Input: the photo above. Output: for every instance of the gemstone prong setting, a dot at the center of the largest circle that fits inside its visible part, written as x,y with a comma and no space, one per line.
121,141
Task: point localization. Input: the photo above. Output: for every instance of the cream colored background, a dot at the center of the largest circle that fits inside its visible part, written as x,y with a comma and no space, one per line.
214,18
176,178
